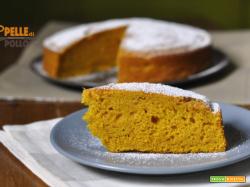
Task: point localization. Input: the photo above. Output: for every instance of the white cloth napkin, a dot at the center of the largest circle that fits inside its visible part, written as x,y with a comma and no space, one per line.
31,145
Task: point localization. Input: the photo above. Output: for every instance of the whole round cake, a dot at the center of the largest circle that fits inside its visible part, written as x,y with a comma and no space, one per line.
145,50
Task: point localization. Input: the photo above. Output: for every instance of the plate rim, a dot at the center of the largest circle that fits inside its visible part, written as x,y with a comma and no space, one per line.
214,69
152,170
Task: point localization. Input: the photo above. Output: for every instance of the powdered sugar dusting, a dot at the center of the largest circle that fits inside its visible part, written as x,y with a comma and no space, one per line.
215,107
152,159
143,35
159,160
156,37
161,89
93,148
59,41
62,39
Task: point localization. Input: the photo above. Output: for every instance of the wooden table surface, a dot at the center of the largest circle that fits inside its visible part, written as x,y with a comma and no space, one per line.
12,171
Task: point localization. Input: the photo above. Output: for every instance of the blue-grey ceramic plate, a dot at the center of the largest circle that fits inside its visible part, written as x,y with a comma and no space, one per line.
71,138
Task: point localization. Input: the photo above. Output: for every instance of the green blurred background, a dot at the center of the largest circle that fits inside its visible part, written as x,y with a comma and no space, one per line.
210,14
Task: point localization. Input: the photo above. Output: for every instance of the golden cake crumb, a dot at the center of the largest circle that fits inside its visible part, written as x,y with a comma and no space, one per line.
130,120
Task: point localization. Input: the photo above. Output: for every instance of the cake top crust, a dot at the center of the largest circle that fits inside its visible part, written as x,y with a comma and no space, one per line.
162,89
143,35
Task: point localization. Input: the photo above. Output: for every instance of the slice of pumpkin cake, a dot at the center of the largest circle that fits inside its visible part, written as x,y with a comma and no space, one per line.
153,118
